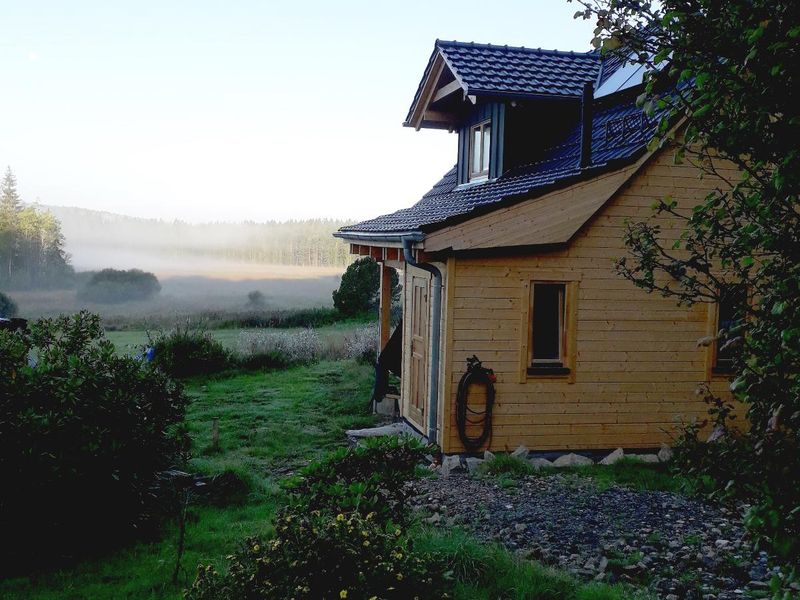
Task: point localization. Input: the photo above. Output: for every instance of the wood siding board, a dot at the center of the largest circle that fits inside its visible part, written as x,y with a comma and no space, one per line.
636,365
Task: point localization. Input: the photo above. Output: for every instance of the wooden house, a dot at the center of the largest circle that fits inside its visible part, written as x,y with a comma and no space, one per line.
510,257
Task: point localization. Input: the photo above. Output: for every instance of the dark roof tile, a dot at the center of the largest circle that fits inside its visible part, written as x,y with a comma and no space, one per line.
620,133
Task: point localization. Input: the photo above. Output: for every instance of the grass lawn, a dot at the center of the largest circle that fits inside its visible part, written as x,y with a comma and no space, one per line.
130,342
267,421
271,423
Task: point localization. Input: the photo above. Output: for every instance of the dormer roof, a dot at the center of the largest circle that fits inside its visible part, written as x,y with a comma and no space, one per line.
620,132
480,70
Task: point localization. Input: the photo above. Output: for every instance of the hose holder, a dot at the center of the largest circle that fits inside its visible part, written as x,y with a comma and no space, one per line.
476,374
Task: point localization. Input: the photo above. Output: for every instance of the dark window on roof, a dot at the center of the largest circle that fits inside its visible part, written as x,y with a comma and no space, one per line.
480,142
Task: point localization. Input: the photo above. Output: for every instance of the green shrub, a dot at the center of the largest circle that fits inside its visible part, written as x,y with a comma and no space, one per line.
82,434
256,299
8,308
185,352
365,479
111,286
359,289
506,464
321,556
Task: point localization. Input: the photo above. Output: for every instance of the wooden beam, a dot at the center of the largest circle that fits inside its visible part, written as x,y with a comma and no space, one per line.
437,116
446,90
385,310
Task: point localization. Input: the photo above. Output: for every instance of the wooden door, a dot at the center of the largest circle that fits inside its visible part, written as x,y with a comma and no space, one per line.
419,351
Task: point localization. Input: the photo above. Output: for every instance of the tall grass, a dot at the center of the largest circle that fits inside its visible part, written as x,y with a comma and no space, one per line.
489,571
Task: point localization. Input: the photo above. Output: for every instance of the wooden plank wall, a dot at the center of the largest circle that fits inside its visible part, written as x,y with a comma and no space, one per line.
638,364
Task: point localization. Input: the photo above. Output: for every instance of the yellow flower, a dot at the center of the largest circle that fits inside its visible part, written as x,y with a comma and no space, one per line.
397,532
340,517
256,548
366,543
399,577
343,594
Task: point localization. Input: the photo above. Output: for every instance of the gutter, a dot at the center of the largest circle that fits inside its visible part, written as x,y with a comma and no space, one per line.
436,329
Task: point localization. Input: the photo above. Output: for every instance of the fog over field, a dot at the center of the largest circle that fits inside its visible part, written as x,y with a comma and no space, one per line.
201,267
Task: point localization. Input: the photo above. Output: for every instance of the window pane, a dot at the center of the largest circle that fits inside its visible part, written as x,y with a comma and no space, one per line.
487,138
476,150
731,310
548,314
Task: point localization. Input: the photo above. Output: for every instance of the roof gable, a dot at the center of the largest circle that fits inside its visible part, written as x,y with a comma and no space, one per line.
498,71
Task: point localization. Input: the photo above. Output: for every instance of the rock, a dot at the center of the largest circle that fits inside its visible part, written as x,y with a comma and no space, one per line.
382,431
521,451
572,460
615,456
665,454
433,519
539,463
451,464
488,455
603,564
647,458
473,463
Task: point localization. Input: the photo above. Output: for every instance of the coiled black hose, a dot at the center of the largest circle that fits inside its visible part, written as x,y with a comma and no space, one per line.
476,374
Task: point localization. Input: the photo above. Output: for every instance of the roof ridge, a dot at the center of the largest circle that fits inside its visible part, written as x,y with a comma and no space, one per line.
456,43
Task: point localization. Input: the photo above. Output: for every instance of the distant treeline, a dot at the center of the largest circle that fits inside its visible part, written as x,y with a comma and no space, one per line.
31,244
306,243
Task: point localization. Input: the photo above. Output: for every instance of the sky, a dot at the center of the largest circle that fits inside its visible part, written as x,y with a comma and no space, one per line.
240,109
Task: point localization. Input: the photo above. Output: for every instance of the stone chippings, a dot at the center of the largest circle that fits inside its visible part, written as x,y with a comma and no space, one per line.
682,548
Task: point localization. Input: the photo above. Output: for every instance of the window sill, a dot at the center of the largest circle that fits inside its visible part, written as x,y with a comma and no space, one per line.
550,370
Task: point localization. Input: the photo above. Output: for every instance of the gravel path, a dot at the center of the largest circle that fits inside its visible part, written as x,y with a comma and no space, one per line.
680,547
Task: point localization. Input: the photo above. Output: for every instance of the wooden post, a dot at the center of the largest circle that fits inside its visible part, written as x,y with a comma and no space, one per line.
385,321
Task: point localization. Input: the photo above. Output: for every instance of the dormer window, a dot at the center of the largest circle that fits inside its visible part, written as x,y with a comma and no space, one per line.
480,143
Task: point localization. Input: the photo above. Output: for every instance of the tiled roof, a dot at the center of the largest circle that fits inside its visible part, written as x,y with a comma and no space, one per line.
487,69
620,133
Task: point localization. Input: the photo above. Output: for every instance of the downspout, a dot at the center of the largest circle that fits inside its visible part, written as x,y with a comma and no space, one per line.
436,327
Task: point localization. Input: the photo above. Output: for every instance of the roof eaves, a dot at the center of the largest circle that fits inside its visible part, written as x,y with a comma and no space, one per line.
536,192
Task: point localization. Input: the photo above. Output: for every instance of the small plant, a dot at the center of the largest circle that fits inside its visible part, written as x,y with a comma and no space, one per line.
111,286
184,352
317,555
365,479
362,345
8,308
507,465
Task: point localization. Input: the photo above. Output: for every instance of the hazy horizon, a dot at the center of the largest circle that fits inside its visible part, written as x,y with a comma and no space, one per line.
250,111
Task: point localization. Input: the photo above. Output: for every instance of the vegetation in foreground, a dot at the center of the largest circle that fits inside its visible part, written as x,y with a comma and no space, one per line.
83,433
728,72
268,424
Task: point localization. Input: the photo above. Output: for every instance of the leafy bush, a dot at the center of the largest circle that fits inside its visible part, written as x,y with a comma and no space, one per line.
185,352
8,308
360,286
111,286
338,537
765,473
317,555
365,479
82,434
362,344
